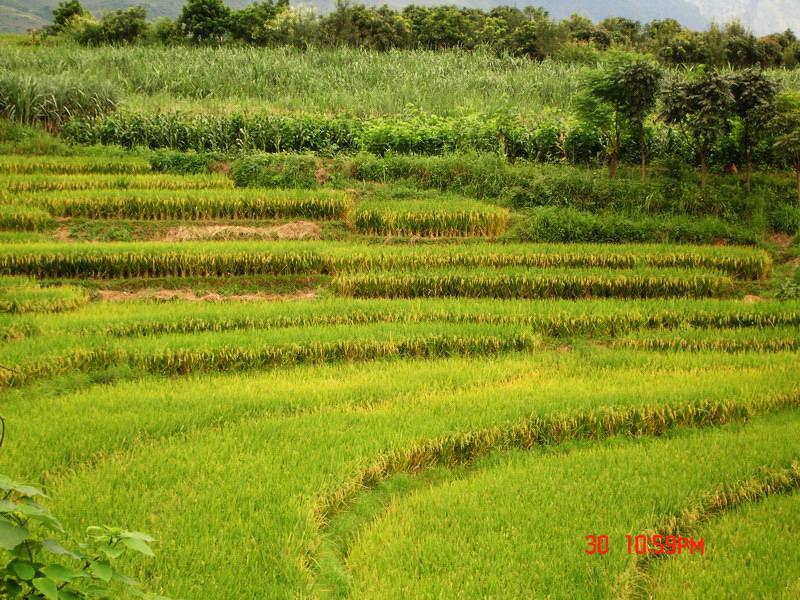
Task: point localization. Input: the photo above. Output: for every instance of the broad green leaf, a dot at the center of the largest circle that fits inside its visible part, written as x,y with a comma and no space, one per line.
7,484
11,535
138,546
47,587
29,491
137,535
112,552
69,595
54,547
61,574
124,579
7,506
22,569
101,570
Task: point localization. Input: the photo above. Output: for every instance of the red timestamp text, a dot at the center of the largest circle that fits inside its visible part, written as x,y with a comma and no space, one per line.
648,544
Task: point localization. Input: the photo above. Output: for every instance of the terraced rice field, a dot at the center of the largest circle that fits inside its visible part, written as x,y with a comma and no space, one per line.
347,417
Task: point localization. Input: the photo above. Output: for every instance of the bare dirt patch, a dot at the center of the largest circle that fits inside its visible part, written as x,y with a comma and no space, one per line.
190,296
300,230
62,234
782,240
752,299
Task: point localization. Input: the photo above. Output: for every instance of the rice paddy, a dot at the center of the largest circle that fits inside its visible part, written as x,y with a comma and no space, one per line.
409,406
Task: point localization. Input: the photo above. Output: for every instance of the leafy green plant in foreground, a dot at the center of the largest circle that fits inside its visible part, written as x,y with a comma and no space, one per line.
37,566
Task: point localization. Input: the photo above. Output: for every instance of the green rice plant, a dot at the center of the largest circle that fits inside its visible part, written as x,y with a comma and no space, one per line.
24,218
430,217
161,204
615,489
106,260
72,165
19,295
228,440
55,183
533,284
758,527
45,357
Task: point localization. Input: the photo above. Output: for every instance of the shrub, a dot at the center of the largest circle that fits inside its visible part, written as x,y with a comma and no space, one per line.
280,171
185,163
39,566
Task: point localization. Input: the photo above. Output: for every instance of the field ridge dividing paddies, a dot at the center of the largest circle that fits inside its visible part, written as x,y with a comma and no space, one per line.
537,431
56,183
446,217
122,259
72,165
768,482
621,283
235,358
560,324
192,204
721,339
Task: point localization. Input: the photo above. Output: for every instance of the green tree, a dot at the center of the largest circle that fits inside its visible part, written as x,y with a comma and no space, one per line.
754,103
205,20
65,12
701,108
626,91
787,127
248,24
124,26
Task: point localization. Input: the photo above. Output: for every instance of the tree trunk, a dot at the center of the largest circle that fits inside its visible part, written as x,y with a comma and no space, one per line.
612,165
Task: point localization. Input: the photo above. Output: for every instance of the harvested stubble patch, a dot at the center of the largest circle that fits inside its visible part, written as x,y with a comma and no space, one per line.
163,204
535,283
72,165
613,489
150,443
446,217
242,258
56,183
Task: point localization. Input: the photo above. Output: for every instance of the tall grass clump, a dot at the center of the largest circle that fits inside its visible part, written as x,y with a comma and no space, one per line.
51,101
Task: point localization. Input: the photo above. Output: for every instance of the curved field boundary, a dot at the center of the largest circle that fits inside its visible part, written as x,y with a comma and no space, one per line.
455,451
182,362
692,518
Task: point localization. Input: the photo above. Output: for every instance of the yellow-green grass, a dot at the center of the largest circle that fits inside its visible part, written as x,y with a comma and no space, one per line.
516,282
18,295
191,204
429,217
516,528
251,456
751,552
72,165
55,183
135,259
